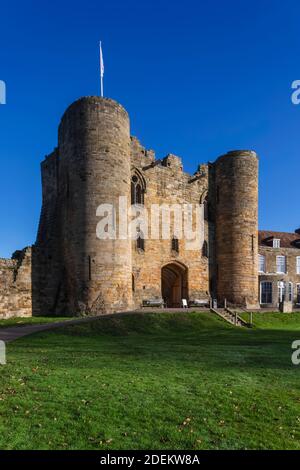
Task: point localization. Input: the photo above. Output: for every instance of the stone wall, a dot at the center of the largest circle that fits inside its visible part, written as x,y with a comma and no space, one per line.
167,183
15,282
48,287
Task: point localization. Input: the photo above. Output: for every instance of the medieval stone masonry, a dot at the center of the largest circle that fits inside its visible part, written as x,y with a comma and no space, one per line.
71,270
15,285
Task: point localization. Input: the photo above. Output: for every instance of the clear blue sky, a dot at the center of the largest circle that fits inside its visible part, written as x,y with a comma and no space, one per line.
198,78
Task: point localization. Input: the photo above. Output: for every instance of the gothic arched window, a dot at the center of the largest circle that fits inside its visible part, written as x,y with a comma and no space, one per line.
206,206
137,189
205,209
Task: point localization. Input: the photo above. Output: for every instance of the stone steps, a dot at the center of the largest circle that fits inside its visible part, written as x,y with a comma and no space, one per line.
229,316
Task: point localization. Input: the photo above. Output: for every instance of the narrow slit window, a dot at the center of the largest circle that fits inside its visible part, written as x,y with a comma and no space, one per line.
140,242
175,244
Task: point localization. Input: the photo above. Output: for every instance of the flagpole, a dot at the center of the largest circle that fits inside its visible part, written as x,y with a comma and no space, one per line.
101,71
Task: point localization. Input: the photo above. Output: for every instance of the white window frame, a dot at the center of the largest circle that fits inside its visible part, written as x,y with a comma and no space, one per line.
270,284
261,263
298,264
276,242
279,264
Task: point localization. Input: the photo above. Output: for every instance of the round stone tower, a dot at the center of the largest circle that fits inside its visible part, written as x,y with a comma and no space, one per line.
236,179
94,149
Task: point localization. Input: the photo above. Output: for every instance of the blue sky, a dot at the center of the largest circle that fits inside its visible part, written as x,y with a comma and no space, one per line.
198,78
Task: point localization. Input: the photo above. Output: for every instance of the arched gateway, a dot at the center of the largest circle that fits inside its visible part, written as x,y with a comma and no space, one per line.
174,285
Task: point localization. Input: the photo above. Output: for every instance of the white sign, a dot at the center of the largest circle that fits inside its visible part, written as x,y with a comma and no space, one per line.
2,353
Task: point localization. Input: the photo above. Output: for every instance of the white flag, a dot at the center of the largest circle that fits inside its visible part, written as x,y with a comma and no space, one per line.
101,62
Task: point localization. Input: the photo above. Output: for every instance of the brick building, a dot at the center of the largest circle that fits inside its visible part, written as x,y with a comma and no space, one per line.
97,162
279,268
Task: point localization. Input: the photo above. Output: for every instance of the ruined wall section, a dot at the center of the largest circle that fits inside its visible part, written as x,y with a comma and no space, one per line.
49,174
49,282
15,281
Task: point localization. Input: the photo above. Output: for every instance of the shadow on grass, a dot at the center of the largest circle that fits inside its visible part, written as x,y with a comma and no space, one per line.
191,340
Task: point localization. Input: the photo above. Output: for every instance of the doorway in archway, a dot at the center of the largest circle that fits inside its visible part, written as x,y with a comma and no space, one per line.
174,286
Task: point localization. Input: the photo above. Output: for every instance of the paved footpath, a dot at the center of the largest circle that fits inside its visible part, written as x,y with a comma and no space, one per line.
15,332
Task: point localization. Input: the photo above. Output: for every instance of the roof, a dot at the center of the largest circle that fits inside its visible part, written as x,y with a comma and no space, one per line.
287,240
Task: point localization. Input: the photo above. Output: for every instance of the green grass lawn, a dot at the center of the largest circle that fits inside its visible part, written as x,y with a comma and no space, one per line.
153,381
18,321
274,321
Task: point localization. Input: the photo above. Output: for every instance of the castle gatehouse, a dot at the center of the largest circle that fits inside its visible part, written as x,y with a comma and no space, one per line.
70,269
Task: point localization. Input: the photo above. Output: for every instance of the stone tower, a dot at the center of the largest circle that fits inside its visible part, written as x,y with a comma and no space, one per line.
94,152
236,219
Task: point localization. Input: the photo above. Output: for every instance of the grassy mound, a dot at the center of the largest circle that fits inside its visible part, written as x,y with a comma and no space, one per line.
159,381
22,321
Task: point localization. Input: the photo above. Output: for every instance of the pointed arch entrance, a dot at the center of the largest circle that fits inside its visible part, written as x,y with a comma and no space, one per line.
174,284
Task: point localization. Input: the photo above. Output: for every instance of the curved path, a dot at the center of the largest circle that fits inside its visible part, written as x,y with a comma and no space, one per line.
15,332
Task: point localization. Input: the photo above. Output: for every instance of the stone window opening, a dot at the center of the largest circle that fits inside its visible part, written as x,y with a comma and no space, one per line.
140,241
175,244
206,206
205,249
205,209
137,190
